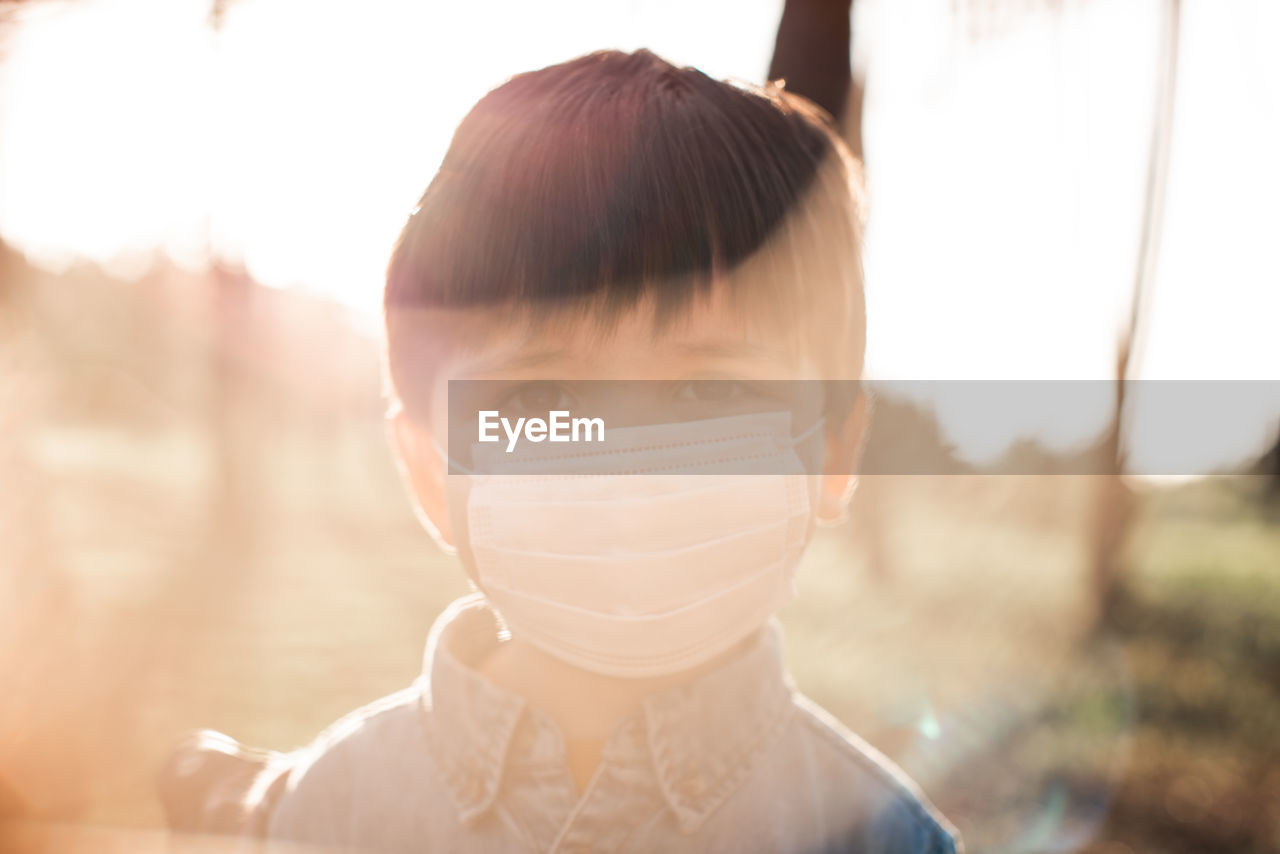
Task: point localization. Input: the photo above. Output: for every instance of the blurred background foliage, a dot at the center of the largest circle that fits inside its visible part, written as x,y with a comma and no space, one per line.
208,532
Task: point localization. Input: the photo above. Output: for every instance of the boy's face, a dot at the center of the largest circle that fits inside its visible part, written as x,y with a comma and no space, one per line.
708,341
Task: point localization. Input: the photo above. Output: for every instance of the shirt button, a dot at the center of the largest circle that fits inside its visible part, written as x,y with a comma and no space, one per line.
474,786
693,784
693,787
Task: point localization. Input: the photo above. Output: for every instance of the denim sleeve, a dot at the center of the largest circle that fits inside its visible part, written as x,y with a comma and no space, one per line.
889,813
351,786
902,827
313,798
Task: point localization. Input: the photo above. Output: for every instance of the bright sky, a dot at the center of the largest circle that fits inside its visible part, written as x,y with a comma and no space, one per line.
1006,174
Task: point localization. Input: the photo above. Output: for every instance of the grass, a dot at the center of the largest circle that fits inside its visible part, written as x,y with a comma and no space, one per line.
1191,709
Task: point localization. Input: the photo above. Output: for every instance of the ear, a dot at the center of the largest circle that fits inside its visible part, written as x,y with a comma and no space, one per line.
840,462
424,474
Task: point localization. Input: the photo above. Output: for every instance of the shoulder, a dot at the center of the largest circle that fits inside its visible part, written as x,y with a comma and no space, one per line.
893,815
370,735
333,772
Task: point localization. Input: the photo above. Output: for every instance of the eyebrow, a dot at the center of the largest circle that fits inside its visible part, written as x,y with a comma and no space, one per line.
710,348
519,361
723,349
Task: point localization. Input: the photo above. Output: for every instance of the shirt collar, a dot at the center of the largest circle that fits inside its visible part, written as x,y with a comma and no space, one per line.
701,736
468,721
704,734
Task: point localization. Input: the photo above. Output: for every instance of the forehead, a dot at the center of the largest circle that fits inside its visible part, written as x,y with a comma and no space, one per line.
707,336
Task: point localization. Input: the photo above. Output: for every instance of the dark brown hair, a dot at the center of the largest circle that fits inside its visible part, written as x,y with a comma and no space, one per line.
606,179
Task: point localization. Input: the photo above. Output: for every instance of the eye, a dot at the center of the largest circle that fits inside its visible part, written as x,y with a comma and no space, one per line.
710,391
538,397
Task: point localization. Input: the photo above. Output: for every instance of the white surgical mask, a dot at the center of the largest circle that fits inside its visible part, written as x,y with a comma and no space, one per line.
651,558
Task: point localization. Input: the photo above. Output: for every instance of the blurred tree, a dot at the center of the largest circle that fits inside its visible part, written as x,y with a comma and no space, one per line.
1115,501
233,491
28,578
229,523
13,534
812,54
1269,468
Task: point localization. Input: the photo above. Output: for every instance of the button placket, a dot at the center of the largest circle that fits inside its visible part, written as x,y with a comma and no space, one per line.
621,797
473,780
693,783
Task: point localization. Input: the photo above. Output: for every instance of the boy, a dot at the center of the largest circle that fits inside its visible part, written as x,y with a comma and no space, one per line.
636,238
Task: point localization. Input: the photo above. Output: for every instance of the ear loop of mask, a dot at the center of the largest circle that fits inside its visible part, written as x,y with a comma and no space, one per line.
808,432
794,442
449,464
